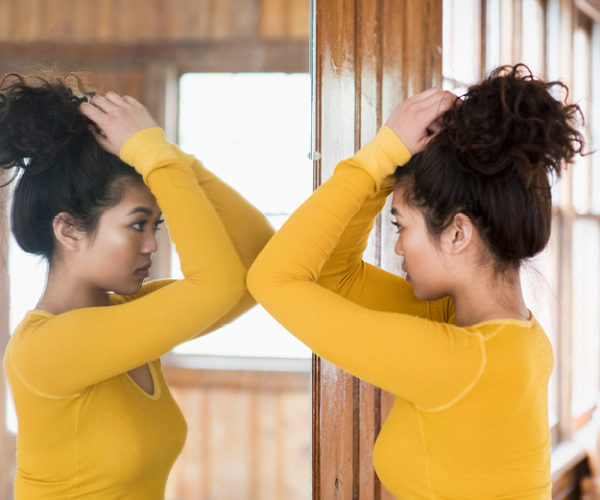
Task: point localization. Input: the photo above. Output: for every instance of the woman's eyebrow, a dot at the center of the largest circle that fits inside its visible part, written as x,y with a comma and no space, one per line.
143,210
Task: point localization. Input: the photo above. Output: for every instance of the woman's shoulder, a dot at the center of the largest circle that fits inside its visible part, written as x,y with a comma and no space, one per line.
491,328
520,341
27,331
32,320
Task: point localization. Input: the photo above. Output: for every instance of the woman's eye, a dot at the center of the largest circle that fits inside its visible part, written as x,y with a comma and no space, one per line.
157,224
139,226
397,226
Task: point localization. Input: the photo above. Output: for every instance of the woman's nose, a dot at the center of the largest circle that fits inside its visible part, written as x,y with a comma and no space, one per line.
150,243
398,248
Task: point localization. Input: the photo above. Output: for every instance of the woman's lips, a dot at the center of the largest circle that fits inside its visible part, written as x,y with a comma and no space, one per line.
144,272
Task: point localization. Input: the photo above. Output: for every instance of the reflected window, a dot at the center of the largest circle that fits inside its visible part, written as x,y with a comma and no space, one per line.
253,131
27,279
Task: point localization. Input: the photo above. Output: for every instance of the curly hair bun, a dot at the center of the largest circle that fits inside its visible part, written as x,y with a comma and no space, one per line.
510,124
39,118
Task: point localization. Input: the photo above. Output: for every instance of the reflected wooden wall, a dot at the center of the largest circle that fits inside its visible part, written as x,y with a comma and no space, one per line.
135,21
249,439
370,54
116,40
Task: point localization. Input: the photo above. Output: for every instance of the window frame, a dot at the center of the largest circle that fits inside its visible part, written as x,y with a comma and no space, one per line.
556,63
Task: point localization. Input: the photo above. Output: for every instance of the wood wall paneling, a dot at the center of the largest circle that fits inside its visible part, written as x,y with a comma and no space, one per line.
83,20
335,456
138,21
249,436
186,18
284,18
369,54
5,20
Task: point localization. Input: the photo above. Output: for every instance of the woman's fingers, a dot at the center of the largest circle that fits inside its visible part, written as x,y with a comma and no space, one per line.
102,103
446,102
98,135
426,94
435,104
117,118
93,112
115,99
414,120
131,100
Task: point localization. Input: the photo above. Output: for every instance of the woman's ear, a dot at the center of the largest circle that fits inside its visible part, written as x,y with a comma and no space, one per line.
67,232
458,235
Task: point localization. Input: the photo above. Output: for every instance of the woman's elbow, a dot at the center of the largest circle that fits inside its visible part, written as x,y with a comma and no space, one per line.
236,278
226,282
255,280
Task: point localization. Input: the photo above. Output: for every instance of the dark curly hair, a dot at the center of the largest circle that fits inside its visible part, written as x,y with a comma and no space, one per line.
63,169
492,159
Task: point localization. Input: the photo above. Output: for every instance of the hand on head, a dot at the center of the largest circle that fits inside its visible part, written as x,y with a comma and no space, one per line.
414,120
117,119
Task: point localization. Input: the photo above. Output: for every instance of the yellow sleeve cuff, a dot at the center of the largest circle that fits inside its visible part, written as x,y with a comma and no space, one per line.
383,154
147,150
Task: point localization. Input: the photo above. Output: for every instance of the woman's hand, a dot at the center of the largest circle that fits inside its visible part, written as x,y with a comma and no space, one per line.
117,119
414,120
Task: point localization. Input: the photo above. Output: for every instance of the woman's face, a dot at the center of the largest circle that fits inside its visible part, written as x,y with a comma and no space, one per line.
117,256
425,264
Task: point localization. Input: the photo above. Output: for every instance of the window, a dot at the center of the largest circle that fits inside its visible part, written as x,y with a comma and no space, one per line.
561,285
586,234
27,278
461,59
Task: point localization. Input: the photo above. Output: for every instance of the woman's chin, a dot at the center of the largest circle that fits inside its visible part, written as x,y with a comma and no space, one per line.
130,289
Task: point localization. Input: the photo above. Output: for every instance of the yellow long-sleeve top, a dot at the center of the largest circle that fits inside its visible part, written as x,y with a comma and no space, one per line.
470,416
86,430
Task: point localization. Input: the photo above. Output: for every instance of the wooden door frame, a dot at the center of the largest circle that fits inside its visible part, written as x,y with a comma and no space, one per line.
367,56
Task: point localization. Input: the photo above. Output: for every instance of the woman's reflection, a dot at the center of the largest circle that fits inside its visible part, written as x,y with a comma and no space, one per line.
95,415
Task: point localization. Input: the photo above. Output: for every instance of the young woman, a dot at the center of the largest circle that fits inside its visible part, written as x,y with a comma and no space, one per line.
454,341
96,418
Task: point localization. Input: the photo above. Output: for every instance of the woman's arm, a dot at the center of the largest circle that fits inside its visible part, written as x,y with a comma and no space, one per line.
348,275
428,362
66,353
246,226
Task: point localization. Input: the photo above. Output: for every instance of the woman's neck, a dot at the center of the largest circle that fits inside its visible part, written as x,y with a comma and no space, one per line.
65,291
488,296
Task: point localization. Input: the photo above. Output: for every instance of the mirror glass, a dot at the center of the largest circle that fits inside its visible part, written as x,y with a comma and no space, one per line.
229,81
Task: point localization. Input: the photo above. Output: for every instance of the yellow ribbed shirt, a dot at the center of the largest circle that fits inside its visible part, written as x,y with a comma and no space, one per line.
470,419
86,430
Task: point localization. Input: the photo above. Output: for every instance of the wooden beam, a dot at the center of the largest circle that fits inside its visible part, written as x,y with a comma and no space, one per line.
234,55
247,380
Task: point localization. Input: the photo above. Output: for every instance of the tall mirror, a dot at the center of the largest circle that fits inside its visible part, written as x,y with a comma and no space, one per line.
229,82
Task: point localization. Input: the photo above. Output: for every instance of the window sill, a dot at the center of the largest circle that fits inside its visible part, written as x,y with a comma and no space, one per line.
237,363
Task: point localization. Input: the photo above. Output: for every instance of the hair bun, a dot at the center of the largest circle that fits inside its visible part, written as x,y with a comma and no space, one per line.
39,118
510,124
